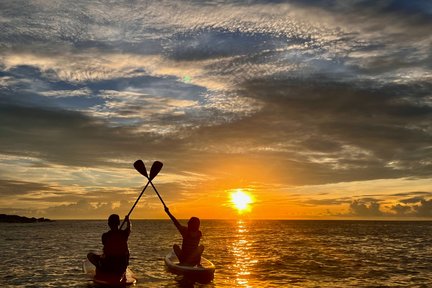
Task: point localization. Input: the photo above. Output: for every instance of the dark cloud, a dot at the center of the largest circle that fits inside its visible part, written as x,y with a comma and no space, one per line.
368,200
29,212
365,209
401,210
90,209
383,125
84,209
409,208
74,139
65,137
21,188
63,195
211,43
334,201
408,7
413,207
318,144
414,12
414,193
372,207
401,42
424,208
412,200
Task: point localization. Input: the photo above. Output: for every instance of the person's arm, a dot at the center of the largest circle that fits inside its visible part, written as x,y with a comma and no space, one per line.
104,238
128,225
175,221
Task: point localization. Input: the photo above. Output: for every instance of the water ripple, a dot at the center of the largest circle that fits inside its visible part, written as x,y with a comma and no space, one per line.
246,253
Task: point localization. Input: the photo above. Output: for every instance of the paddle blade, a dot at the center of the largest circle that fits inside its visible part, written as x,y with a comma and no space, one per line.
140,167
154,170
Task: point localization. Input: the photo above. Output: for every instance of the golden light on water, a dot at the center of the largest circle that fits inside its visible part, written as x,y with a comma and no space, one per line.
241,200
243,255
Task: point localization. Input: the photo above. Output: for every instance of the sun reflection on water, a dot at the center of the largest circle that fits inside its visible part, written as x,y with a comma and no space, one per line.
241,250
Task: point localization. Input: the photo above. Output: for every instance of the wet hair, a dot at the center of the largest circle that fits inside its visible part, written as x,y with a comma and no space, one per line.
194,224
113,220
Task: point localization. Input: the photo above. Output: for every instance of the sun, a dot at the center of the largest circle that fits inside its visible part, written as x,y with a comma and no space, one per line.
241,200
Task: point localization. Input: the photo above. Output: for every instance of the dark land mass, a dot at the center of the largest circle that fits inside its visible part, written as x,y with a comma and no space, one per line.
21,219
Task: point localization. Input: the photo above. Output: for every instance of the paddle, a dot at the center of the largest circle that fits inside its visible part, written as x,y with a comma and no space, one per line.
140,167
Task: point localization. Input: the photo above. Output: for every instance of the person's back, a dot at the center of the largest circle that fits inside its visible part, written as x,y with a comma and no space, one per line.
115,243
191,236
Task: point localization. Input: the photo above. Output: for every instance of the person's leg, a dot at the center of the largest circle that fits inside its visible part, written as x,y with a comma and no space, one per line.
114,266
200,250
121,266
198,253
94,259
178,252
195,257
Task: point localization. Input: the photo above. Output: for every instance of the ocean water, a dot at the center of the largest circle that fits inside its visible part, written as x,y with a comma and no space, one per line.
246,253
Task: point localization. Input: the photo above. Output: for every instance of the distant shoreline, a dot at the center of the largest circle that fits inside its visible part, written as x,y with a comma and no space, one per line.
4,218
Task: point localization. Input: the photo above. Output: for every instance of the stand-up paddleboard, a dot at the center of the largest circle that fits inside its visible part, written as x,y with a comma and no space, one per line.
203,273
106,279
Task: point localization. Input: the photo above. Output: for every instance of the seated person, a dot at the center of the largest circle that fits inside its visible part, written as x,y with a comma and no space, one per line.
190,251
115,257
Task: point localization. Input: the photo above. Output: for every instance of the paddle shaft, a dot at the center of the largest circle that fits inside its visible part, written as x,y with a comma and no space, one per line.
136,202
160,198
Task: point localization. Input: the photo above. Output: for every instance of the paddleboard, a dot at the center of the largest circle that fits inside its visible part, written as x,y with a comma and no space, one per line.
203,273
106,279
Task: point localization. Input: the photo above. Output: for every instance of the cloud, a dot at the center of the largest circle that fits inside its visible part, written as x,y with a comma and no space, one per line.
16,188
413,207
365,209
413,193
411,200
83,202
424,208
401,210
320,91
60,136
124,86
85,209
345,38
211,43
383,128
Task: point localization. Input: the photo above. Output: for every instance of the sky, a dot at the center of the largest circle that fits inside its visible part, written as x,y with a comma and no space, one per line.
317,109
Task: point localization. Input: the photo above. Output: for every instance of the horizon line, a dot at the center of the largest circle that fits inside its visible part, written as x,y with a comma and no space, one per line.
262,219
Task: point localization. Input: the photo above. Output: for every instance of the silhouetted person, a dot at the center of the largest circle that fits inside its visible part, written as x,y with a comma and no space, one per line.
115,257
190,252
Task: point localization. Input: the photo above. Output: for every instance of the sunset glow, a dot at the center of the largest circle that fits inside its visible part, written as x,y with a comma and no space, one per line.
265,109
241,200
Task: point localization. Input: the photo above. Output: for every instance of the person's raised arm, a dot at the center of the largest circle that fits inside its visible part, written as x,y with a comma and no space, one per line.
128,225
175,221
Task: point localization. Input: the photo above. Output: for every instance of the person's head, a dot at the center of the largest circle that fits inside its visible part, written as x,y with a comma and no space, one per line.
193,224
113,221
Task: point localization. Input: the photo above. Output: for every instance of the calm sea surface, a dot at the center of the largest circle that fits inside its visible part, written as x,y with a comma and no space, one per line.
246,253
